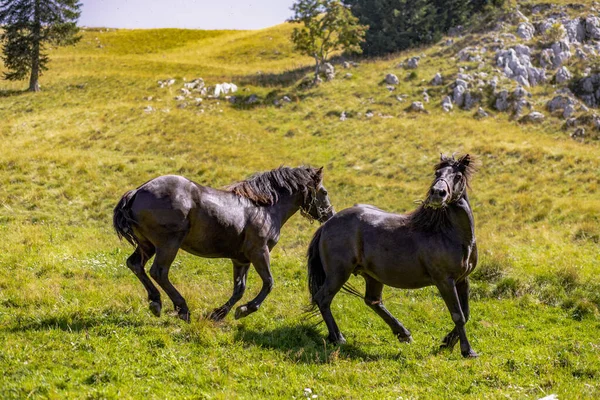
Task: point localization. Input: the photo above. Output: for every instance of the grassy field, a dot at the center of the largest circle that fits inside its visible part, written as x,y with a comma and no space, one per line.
74,321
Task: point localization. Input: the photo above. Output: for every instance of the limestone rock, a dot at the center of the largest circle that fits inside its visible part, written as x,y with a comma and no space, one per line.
413,62
417,106
525,31
329,71
447,104
533,117
562,75
437,80
391,79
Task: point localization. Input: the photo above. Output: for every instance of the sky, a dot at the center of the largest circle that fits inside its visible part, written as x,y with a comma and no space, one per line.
192,14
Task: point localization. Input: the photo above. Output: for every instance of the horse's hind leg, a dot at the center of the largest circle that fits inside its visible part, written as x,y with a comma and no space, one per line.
449,293
373,300
462,288
323,298
262,264
240,272
160,273
136,262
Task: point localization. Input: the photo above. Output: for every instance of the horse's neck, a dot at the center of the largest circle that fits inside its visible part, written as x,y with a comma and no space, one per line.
286,206
463,218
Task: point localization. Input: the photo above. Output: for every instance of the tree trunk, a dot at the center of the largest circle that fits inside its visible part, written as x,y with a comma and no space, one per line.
317,70
34,85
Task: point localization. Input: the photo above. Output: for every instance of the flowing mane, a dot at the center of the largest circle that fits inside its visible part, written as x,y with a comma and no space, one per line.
264,188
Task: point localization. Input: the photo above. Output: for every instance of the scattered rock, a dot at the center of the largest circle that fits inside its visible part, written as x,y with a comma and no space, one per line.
286,99
391,79
329,71
390,88
481,113
179,98
562,75
533,117
253,99
525,31
417,106
447,104
224,88
184,92
588,90
369,114
343,116
148,109
148,98
437,80
348,75
413,62
579,133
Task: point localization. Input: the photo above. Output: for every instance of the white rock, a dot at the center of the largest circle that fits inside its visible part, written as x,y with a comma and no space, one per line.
533,117
437,80
525,31
447,104
417,106
562,75
413,62
392,79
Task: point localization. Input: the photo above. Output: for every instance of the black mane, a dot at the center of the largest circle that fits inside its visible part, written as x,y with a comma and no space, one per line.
264,188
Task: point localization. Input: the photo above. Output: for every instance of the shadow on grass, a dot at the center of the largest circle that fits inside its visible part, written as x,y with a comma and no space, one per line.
305,344
73,322
12,92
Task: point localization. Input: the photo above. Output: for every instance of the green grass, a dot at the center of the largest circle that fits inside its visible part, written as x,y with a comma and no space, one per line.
74,321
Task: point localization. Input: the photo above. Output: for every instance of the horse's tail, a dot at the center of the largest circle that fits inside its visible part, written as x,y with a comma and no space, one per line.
122,219
316,272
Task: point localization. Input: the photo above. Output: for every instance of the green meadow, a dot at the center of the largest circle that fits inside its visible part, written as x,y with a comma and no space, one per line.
74,320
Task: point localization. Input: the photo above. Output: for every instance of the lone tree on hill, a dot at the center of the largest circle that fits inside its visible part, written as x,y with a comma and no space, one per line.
328,26
27,26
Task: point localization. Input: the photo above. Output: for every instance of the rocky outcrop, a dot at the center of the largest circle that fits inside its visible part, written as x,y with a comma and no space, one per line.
516,64
447,104
563,103
588,90
413,62
437,80
533,117
417,106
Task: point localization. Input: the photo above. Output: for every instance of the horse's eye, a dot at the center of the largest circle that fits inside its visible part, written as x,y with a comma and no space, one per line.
457,177
324,192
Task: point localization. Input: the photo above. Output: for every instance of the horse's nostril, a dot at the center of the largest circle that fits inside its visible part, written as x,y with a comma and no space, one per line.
442,193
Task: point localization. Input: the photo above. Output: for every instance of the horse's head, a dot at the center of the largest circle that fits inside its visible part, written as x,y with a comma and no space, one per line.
317,205
451,181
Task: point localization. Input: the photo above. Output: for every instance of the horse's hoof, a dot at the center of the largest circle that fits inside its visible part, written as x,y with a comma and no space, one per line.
184,316
337,341
218,314
405,339
469,354
241,312
155,307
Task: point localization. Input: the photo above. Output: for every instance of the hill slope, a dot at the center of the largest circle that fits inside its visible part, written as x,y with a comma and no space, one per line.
74,320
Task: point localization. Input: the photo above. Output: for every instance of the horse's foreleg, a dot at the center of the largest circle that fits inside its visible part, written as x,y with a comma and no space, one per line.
240,272
462,288
373,300
262,264
448,290
136,263
160,273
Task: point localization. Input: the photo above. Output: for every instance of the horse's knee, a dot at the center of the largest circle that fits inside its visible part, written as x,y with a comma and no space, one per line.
458,319
268,284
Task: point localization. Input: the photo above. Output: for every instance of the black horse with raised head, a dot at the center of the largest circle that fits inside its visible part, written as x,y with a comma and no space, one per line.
241,222
434,245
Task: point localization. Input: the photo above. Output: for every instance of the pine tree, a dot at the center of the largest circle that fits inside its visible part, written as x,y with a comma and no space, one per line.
28,25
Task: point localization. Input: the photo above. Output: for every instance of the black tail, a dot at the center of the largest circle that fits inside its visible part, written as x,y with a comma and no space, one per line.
122,219
316,272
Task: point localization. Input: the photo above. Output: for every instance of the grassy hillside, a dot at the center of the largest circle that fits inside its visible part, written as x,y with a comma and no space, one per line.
74,320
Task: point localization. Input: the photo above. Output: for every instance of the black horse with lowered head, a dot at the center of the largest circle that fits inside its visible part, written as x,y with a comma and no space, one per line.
241,222
434,245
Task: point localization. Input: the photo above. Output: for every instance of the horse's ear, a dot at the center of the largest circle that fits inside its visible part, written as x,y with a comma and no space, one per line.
319,175
464,162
